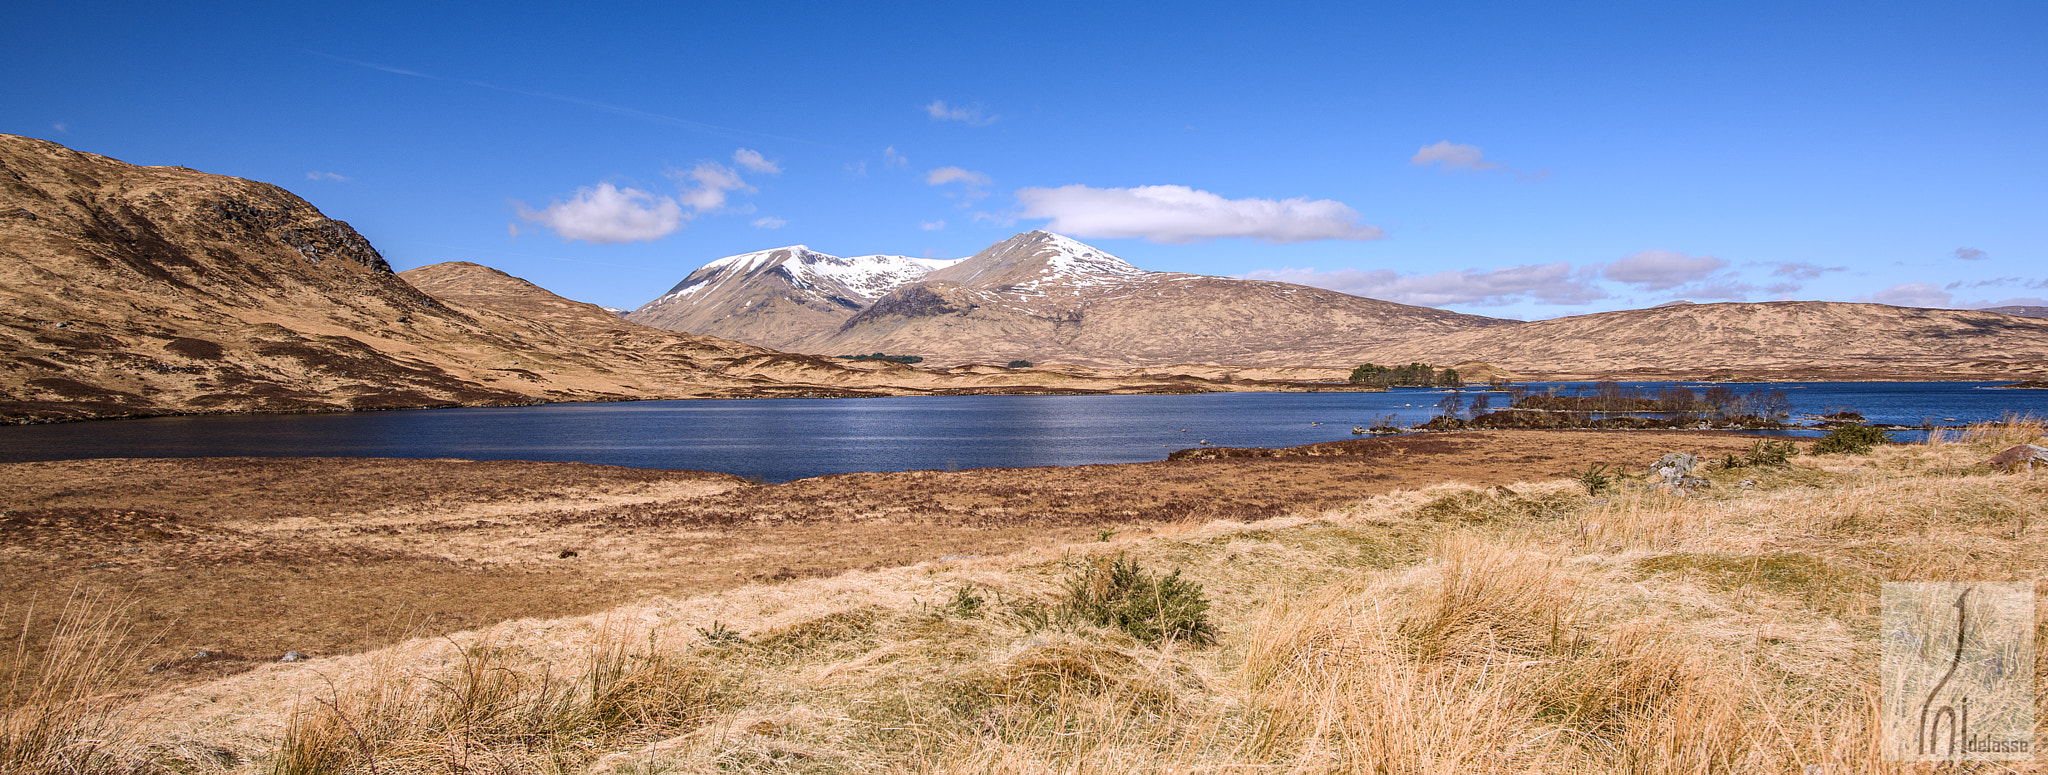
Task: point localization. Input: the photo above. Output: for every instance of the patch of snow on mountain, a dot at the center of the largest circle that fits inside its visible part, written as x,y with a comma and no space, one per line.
861,278
1074,264
1074,259
745,263
868,278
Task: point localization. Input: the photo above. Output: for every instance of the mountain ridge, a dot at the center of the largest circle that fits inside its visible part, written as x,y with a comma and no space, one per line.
1768,340
1041,296
775,296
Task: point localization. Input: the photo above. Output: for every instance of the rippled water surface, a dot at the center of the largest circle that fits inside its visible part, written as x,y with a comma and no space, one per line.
782,439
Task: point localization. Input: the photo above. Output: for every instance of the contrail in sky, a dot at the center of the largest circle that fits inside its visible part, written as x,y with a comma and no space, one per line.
680,123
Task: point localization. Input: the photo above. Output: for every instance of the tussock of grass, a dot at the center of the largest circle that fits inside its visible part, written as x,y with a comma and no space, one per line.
1814,581
494,712
1450,630
1489,600
1465,504
1117,592
55,712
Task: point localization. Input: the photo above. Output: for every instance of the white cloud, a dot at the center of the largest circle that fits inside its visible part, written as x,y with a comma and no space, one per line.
316,175
712,181
1180,215
61,127
892,159
944,175
606,214
1656,270
769,223
1971,254
1450,156
754,161
1800,270
1912,295
932,225
1554,283
858,169
971,115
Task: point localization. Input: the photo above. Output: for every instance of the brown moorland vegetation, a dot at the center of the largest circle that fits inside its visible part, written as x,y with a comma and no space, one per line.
1443,627
249,558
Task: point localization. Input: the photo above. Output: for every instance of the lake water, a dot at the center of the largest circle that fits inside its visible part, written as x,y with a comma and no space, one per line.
783,439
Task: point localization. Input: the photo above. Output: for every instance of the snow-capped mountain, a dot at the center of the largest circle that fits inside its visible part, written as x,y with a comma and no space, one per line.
1038,261
778,296
1040,296
1037,296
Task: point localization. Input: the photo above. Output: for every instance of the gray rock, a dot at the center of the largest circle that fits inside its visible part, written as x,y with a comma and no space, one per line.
2021,458
1675,471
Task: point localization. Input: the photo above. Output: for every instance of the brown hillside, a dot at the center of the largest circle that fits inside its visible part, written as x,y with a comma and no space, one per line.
143,290
156,290
1773,340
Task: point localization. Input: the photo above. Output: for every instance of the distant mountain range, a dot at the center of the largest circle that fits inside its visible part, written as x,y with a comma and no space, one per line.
1036,296
1042,297
2025,312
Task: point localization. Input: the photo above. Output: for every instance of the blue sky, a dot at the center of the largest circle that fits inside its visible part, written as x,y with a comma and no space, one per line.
1512,159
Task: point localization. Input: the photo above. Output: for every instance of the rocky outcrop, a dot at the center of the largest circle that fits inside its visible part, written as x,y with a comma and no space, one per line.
2020,458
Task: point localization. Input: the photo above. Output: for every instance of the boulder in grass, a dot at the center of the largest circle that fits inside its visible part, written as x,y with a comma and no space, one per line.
2023,457
1675,466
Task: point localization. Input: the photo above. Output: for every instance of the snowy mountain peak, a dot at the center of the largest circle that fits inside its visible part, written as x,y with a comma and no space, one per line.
1029,261
760,259
1071,257
800,269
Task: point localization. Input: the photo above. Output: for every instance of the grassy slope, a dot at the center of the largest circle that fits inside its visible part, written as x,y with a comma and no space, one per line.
1452,629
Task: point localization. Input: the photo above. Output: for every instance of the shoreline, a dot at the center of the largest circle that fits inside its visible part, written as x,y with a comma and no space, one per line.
8,416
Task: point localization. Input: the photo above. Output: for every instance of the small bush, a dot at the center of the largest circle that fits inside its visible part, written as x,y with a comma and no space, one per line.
1152,608
720,635
966,603
1851,440
1020,364
1775,454
1595,479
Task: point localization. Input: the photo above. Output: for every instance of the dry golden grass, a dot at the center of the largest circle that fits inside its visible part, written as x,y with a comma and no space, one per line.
1453,629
